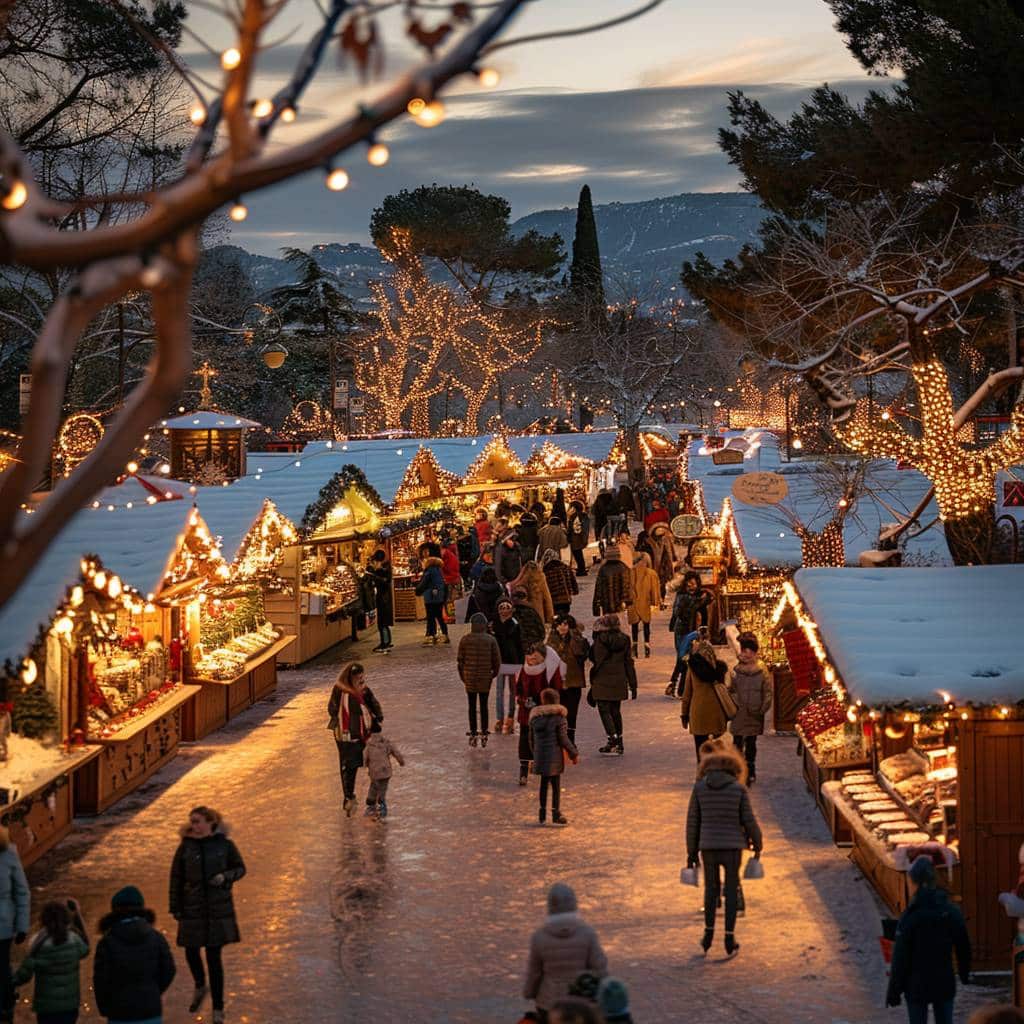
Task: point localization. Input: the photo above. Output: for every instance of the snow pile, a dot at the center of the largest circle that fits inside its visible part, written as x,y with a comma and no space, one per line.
907,635
31,764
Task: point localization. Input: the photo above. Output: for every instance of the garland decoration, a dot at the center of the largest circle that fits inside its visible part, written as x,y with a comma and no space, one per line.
333,493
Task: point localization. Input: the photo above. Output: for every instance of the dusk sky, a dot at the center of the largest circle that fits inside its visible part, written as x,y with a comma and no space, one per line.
633,111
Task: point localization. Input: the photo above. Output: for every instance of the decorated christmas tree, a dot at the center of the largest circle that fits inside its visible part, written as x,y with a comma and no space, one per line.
34,715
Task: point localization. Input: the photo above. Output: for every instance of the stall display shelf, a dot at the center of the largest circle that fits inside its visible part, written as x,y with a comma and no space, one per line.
168,702
257,659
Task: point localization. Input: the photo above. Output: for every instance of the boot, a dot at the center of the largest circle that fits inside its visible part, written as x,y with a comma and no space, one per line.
732,947
647,650
610,749
472,738
523,774
619,750
636,652
510,726
428,641
709,937
541,816
557,819
444,639
670,690
382,810
348,804
218,1017
198,998
483,738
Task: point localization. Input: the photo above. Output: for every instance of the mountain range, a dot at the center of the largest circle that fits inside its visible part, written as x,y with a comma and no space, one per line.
643,244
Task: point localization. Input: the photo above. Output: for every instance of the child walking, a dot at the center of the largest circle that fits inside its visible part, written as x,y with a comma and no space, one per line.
549,736
751,688
53,959
378,754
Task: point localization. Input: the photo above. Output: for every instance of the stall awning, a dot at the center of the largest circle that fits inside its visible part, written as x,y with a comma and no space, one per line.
920,637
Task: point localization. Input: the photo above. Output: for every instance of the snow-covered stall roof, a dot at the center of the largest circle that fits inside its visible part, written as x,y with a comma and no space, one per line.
203,419
900,636
135,543
769,540
595,446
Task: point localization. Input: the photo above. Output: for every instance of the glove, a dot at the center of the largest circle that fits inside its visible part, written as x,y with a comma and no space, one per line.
892,998
20,938
217,880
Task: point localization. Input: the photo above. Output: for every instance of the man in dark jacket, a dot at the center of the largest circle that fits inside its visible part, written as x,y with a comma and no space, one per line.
613,589
478,660
531,625
508,558
579,536
133,965
528,532
930,931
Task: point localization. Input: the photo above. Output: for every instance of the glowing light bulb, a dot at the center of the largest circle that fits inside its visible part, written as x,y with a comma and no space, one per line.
288,115
132,467
197,115
238,212
797,444
489,77
378,155
431,115
337,179
262,107
886,415
415,106
16,196
230,58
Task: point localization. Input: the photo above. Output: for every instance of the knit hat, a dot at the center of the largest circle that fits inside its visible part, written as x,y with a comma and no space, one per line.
612,552
128,898
478,619
613,999
561,899
922,872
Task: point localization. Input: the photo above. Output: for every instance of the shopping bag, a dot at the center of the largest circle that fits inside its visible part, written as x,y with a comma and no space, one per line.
690,876
754,868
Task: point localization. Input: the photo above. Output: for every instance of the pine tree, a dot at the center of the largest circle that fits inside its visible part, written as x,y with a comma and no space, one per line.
585,274
34,715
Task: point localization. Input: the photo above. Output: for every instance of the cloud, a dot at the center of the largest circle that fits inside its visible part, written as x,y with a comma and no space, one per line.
536,149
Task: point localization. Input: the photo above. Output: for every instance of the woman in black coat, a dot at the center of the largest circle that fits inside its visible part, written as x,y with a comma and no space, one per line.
485,596
379,570
352,710
205,867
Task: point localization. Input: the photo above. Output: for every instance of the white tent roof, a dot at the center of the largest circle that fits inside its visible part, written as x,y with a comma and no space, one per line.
203,419
769,540
902,635
133,543
595,446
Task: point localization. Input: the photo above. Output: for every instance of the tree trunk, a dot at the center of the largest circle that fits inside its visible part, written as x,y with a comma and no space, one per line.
421,417
971,541
474,406
634,461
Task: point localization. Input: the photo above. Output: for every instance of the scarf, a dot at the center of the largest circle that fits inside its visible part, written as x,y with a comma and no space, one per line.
345,733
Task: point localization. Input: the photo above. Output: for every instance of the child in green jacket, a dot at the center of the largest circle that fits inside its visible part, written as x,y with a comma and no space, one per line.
53,958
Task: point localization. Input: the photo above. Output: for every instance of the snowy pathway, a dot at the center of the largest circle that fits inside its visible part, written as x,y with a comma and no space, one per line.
427,917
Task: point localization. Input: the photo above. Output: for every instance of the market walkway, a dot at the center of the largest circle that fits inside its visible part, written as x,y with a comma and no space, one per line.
426,918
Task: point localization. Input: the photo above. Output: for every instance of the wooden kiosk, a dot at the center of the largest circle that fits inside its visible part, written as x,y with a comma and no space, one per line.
936,697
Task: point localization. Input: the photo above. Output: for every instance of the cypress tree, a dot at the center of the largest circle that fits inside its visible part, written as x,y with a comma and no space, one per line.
585,277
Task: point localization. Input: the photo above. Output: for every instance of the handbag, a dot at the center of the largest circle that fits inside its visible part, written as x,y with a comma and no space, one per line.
690,876
754,868
725,701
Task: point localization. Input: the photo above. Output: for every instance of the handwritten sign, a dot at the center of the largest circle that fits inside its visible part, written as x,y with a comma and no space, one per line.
685,526
760,488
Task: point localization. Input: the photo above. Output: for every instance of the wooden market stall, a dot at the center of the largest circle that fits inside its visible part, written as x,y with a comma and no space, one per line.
917,732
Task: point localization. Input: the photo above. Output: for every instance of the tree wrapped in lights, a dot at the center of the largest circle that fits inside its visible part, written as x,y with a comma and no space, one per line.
155,247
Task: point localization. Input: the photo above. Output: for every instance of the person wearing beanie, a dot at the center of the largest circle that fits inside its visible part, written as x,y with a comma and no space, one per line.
531,624
613,588
930,931
552,537
613,1001
478,660
541,670
133,966
560,950
561,583
612,679
751,688
14,916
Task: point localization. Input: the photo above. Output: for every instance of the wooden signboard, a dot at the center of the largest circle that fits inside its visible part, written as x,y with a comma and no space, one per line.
727,457
685,526
760,488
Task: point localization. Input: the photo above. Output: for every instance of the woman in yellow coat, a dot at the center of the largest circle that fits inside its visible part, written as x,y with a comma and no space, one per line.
646,597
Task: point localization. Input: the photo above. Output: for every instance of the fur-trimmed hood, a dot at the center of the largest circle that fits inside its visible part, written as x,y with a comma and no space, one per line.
543,710
642,559
432,562
716,766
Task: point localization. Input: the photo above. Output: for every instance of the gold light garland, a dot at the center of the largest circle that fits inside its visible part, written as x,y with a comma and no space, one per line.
550,458
77,438
495,457
308,421
726,527
197,556
413,486
262,548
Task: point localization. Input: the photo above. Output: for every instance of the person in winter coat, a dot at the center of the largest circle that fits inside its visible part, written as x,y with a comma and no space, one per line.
485,596
646,598
602,509
479,661
538,596
434,591
530,623
506,631
701,710
482,527
53,959
549,737
625,502
579,535
541,670
485,561
720,825
14,916
552,537
612,679
352,709
558,505
663,556
468,546
206,866
613,1002
751,688
561,582
566,639
613,588
508,558
528,532
377,758
451,573
133,966
379,570
562,949
658,514
929,932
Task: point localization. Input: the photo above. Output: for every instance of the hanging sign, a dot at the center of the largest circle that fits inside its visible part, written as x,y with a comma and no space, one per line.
24,392
683,527
727,457
357,405
1013,494
760,488
341,394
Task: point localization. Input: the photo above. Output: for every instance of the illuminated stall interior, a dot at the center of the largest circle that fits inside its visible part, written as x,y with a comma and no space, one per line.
913,733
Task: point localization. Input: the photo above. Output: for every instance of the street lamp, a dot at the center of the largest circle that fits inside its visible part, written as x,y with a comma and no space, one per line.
274,354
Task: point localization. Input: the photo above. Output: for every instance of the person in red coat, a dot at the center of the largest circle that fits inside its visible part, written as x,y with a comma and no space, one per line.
543,670
451,571
658,514
482,525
